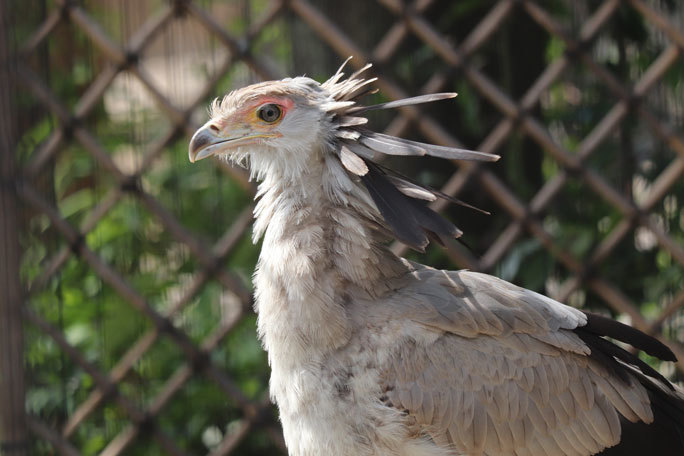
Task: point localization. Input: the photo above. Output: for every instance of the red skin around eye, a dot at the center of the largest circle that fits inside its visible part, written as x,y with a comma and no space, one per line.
284,103
247,115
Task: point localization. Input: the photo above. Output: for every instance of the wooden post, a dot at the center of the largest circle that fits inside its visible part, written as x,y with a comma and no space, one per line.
13,435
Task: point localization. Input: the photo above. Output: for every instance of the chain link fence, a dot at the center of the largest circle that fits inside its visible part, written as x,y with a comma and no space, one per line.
138,329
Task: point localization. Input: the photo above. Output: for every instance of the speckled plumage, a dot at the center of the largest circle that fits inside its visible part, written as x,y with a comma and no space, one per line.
374,355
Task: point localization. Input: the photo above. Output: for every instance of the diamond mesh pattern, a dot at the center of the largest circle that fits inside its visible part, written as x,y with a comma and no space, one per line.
523,217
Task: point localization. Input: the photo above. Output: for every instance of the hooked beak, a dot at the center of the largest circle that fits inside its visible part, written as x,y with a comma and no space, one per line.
207,141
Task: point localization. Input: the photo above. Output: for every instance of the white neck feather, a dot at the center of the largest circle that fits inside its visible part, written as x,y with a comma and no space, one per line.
317,244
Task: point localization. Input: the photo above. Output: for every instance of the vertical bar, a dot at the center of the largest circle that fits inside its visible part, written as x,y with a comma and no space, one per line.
13,436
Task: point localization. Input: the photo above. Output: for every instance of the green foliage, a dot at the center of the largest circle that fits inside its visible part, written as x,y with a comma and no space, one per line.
103,325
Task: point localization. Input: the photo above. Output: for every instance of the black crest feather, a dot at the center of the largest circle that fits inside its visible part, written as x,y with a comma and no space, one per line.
411,220
401,201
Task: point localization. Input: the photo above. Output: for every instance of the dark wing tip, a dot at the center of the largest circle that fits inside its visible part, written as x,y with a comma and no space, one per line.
604,326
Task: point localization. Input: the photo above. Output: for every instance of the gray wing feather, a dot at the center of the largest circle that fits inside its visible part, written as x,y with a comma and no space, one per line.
406,102
411,189
352,162
505,373
392,145
360,150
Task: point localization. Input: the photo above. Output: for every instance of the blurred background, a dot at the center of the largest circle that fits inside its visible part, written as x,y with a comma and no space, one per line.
125,294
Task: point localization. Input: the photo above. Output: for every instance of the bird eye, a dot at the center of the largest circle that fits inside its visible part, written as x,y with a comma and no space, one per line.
269,113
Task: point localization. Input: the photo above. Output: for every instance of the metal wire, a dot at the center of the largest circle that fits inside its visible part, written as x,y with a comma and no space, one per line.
410,21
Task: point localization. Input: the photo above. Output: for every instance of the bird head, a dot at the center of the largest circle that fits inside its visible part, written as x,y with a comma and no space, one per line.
283,129
270,123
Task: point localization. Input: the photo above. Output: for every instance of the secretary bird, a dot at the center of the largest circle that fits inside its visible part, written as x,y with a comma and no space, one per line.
372,354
